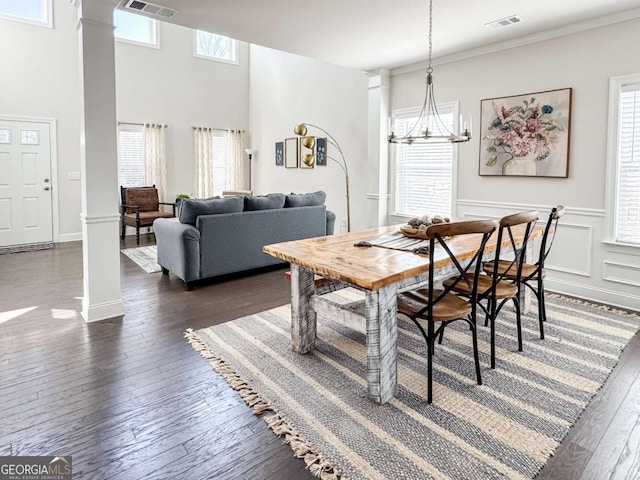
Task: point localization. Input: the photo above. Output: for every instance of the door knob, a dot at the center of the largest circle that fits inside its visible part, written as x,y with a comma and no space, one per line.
46,180
47,188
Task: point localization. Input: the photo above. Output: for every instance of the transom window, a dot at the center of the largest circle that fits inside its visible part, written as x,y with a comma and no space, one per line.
625,97
37,12
215,47
424,174
136,29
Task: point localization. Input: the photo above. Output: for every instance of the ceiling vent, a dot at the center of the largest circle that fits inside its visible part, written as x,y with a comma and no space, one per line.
504,22
150,9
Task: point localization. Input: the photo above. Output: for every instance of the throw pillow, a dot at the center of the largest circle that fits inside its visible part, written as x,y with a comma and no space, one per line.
264,202
190,209
305,199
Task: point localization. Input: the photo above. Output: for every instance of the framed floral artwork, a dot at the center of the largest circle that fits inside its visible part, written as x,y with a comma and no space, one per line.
526,135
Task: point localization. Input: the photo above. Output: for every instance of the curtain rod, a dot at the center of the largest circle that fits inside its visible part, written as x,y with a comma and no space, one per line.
217,129
142,124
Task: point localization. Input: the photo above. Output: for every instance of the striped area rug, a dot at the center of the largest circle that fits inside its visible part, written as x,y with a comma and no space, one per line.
506,428
145,257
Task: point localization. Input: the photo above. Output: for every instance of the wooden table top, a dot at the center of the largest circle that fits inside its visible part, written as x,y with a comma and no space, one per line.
373,268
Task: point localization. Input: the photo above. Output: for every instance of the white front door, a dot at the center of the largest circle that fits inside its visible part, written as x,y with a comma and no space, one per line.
25,183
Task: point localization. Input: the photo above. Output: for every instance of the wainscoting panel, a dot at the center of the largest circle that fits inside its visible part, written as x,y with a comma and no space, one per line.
571,252
581,263
621,273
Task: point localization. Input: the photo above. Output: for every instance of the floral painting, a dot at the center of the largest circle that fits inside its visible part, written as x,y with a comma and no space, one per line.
526,135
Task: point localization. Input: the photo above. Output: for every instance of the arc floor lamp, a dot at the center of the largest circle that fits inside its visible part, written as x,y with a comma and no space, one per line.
309,142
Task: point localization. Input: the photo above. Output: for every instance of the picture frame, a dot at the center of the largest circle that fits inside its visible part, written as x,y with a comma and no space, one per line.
303,151
279,154
526,135
321,152
291,152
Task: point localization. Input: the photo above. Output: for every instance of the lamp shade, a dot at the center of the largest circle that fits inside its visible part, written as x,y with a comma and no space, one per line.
308,142
249,151
300,130
308,159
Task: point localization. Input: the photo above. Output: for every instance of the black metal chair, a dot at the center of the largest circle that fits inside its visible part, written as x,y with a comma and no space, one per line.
533,274
432,305
495,287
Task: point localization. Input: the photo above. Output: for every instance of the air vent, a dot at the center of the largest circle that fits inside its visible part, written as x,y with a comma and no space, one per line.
505,22
150,9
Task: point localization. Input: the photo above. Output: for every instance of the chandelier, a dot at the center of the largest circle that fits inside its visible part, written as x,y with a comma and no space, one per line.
429,127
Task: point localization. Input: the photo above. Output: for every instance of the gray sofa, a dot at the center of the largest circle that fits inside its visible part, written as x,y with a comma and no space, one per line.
225,235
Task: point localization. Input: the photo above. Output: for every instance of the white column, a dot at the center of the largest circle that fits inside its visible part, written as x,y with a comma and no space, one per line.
98,157
378,148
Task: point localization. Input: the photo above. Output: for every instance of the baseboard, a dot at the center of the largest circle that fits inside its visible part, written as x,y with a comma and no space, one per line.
102,311
69,237
602,295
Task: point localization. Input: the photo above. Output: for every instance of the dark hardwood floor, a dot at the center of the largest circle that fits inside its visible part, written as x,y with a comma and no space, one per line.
130,399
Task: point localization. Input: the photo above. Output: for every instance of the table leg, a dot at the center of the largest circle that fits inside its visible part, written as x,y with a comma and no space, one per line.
382,335
303,318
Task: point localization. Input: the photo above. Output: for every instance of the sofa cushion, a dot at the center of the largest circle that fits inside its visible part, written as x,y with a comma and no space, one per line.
190,209
305,199
264,202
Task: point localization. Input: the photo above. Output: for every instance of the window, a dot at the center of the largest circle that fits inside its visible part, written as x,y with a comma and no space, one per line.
215,47
625,157
131,155
136,29
424,174
37,12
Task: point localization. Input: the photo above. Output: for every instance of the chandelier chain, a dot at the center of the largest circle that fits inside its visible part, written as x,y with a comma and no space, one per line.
430,68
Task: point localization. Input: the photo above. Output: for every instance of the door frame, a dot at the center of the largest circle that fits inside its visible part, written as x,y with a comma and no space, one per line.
53,159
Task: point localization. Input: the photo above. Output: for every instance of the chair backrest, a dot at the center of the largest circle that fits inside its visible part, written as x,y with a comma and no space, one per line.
146,198
440,235
545,244
528,220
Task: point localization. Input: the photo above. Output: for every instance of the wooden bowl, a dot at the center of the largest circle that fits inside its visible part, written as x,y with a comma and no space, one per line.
413,232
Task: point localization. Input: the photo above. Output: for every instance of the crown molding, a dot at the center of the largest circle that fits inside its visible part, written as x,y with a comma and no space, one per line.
524,40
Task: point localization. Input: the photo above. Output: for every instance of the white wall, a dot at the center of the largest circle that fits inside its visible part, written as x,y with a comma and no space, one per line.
170,86
581,264
40,78
286,90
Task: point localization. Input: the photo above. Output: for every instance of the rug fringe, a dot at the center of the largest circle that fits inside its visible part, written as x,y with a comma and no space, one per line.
318,466
597,305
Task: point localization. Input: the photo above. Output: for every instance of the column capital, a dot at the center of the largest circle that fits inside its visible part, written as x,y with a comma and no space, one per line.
380,77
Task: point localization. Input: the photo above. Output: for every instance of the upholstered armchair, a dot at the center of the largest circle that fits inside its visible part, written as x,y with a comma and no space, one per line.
140,207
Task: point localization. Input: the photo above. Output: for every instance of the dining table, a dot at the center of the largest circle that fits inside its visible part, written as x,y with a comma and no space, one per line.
365,261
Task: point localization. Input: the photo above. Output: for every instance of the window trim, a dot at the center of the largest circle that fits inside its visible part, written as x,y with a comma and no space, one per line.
46,23
155,29
611,186
394,215
214,59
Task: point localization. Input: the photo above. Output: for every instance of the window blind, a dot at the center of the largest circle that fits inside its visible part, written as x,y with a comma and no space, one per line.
424,173
628,181
131,155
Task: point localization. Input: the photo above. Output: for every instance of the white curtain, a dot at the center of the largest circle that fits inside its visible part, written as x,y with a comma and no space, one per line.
155,161
203,155
235,160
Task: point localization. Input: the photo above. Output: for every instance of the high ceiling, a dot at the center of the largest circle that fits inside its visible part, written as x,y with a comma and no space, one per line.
368,34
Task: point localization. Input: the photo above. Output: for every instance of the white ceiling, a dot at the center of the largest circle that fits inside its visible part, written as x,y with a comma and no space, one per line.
368,34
